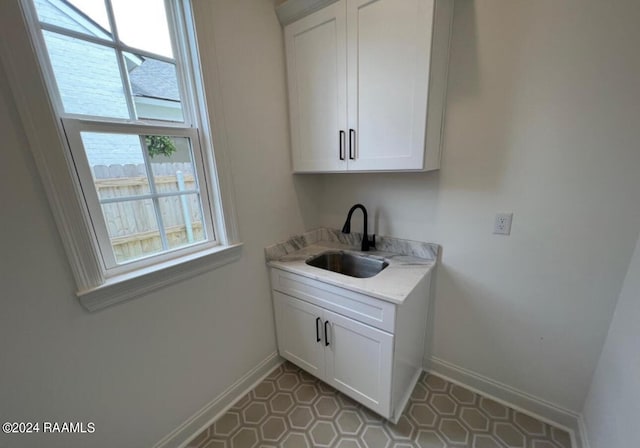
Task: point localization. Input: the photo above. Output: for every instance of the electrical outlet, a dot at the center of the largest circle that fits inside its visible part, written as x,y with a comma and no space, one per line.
502,225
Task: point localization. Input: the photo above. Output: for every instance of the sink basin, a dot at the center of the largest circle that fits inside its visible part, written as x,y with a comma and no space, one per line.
348,264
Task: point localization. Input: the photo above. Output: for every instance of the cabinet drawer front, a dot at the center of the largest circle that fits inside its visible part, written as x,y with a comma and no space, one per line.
368,310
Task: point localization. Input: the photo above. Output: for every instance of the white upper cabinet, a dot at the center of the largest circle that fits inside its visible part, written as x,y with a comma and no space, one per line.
316,48
388,44
367,84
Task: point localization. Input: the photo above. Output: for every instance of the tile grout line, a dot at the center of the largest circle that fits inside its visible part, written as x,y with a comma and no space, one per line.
304,410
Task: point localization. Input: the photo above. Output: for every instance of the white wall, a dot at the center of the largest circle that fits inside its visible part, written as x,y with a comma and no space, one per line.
543,103
141,368
612,408
542,110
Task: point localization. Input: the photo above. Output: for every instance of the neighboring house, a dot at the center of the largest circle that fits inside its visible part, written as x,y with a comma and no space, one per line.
92,85
155,90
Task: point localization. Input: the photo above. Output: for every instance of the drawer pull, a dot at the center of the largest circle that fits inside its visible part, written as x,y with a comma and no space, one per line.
352,144
326,333
317,329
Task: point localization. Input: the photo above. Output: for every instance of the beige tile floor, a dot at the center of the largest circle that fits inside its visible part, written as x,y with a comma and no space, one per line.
292,409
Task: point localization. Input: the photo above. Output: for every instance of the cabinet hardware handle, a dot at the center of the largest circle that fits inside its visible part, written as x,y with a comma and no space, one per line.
326,333
352,144
317,329
341,153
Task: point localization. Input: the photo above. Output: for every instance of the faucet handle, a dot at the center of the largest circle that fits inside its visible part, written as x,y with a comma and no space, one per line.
372,241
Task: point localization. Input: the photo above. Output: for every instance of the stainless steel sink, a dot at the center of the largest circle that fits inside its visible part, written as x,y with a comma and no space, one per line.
348,264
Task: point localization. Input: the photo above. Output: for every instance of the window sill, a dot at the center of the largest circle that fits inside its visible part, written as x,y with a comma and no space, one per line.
131,285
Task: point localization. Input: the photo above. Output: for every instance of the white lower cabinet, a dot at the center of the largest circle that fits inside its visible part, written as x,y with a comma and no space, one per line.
374,366
299,333
358,361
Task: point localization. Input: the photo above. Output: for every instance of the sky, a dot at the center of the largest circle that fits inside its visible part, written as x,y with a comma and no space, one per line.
141,23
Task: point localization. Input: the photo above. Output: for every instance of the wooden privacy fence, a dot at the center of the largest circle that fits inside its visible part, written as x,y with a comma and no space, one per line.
132,224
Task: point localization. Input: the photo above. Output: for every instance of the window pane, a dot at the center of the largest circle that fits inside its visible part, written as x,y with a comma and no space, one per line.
132,228
121,170
84,16
182,219
143,24
117,164
171,163
154,85
87,76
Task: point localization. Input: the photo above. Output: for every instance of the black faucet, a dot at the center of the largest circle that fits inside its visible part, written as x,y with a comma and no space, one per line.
366,243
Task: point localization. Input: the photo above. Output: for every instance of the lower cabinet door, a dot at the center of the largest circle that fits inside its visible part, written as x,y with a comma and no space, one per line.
358,362
299,328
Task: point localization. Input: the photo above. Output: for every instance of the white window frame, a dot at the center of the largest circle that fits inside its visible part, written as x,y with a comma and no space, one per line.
75,124
73,129
98,284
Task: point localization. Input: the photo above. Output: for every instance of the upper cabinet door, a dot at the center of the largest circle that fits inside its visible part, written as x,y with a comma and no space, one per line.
389,54
317,78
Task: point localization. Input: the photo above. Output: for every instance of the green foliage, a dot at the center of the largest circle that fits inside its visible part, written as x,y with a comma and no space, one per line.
159,145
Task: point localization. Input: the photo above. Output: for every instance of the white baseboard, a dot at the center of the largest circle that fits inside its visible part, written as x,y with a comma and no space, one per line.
519,400
183,434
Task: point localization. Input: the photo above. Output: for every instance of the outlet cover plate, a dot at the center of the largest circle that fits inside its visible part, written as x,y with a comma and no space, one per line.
502,225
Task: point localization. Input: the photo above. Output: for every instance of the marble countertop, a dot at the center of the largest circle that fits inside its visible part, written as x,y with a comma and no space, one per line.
409,262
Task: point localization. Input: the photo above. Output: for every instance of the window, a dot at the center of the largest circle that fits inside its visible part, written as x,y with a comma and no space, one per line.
123,79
